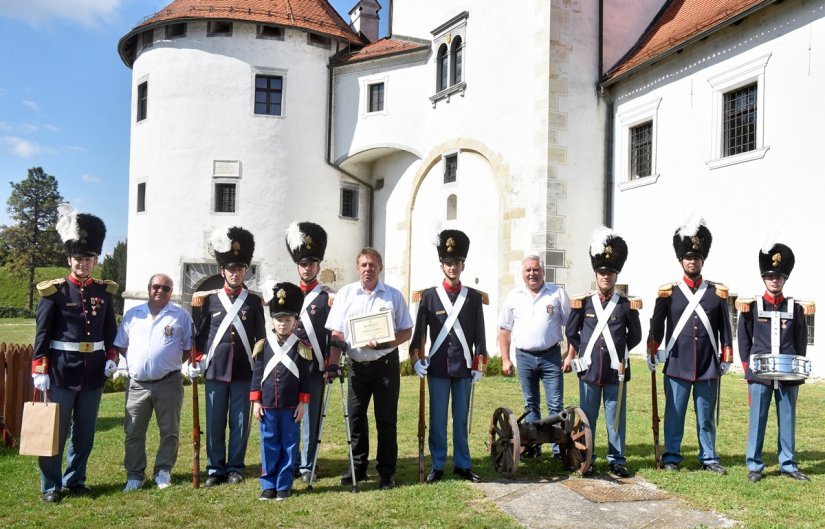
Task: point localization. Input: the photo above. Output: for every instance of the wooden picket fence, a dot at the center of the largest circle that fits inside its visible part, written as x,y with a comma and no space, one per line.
16,388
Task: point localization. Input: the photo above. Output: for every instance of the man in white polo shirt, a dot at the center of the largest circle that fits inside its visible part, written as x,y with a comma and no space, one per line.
532,319
155,338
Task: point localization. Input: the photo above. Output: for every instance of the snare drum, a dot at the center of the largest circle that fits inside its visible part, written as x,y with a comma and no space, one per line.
780,367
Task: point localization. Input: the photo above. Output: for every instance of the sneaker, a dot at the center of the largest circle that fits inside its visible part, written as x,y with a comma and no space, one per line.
163,479
283,494
267,494
132,484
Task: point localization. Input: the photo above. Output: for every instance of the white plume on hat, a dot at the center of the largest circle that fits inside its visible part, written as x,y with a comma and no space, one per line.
294,236
691,226
67,226
267,289
219,241
770,241
599,239
435,228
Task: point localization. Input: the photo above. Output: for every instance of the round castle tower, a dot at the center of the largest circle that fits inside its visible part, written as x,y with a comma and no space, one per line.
229,127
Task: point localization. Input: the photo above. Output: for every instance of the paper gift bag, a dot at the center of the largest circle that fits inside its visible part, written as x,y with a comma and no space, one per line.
39,433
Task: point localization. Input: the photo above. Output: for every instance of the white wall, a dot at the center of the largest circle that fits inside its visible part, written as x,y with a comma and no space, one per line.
744,202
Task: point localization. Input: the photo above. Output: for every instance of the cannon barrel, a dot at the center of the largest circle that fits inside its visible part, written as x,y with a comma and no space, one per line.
552,419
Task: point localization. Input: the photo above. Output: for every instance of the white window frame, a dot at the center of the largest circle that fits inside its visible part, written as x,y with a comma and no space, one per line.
355,188
444,34
626,120
750,72
366,83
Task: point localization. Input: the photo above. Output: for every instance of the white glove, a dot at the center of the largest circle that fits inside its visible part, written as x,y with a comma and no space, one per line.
193,371
477,375
651,362
421,368
110,368
41,382
723,367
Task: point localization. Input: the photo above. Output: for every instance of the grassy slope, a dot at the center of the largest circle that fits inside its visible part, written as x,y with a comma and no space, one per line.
774,502
13,290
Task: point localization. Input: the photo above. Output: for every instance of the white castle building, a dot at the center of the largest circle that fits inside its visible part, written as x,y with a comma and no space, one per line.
524,124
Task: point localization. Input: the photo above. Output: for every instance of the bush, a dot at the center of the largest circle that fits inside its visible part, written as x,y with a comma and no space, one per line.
16,312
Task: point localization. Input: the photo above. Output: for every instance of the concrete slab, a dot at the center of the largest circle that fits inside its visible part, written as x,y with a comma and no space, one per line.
550,503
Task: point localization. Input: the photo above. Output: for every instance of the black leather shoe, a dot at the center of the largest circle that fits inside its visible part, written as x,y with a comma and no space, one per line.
306,476
715,467
797,475
77,490
387,482
268,494
233,478
213,480
670,467
435,475
754,476
590,472
618,471
51,497
346,479
468,474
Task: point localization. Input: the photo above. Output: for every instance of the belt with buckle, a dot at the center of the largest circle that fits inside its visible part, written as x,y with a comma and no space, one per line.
553,349
77,347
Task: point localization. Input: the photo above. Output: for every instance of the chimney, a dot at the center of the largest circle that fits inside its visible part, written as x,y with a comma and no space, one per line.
364,19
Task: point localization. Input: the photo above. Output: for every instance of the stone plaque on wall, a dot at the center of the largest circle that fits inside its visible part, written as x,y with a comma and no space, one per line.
226,168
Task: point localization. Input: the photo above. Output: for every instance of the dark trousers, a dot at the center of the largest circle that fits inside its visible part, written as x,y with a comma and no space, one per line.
382,379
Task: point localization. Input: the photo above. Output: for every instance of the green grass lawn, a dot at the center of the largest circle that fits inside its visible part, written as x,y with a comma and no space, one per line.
774,502
17,330
13,289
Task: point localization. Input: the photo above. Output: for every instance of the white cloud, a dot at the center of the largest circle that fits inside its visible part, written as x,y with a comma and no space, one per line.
85,12
90,179
32,105
24,148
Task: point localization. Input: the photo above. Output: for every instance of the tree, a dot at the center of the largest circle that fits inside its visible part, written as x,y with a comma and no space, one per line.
33,240
114,268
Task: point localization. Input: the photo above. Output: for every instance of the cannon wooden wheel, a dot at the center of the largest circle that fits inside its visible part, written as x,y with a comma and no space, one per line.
505,442
578,453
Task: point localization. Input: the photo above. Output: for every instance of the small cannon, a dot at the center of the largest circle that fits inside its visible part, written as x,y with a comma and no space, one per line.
510,437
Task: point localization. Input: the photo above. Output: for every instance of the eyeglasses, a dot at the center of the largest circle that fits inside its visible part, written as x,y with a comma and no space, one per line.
165,288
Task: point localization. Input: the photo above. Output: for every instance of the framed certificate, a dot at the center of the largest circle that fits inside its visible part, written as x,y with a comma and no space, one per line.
377,326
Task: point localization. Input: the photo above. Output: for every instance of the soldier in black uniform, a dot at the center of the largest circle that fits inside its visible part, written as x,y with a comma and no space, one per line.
231,322
457,357
602,328
698,345
307,243
772,324
280,390
74,351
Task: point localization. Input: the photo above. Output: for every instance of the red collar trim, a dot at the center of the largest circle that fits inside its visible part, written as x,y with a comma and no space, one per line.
691,283
230,292
605,296
79,282
450,288
767,296
308,287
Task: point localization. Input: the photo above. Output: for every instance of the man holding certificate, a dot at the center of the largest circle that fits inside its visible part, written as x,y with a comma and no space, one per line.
457,356
372,318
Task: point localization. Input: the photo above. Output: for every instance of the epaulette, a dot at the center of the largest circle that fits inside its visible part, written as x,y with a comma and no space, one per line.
485,298
49,287
808,307
416,296
666,290
305,350
111,286
635,303
259,346
721,290
743,304
330,300
200,296
577,302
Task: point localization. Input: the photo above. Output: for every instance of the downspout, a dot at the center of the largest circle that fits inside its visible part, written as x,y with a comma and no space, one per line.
608,136
389,21
328,157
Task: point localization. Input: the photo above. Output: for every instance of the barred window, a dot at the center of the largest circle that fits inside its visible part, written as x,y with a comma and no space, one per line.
376,97
225,198
809,320
268,93
739,120
450,168
641,150
349,202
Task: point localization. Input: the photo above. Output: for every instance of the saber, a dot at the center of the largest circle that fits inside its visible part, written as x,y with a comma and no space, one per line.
196,427
654,397
422,422
326,392
619,402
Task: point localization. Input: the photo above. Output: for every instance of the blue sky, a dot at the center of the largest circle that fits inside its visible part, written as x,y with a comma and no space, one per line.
65,95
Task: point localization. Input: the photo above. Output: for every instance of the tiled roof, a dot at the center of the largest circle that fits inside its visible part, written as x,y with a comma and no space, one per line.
381,48
313,15
677,23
